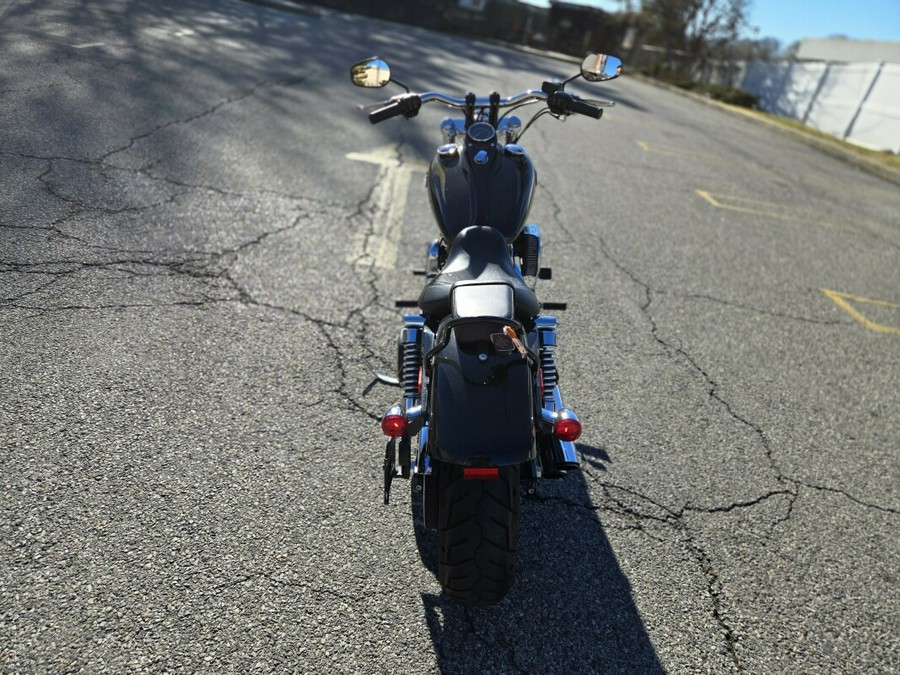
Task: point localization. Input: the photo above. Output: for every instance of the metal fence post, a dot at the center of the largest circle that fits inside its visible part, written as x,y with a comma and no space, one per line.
863,102
817,92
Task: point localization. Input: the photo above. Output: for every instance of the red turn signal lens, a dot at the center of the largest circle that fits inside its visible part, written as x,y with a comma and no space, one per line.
567,429
394,425
473,473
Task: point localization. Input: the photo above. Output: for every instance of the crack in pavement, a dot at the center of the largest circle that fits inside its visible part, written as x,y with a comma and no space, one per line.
675,519
204,113
757,310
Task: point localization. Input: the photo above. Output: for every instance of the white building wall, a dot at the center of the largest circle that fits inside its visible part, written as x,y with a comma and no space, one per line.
857,102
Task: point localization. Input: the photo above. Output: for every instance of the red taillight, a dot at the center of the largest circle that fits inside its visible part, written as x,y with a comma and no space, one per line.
478,473
567,429
394,425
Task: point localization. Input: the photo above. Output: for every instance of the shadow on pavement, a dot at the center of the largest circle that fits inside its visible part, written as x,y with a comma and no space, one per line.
570,609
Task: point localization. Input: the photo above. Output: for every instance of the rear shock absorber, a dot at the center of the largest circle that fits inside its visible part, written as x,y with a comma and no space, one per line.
558,448
409,367
546,326
411,360
409,348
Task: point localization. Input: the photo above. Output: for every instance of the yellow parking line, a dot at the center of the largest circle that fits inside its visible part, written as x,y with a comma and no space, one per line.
676,152
760,208
840,299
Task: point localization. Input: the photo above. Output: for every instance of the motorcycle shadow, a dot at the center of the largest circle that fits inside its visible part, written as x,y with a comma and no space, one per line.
571,608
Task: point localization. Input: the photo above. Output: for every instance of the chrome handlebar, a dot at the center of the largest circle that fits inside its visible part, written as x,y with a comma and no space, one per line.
560,102
484,101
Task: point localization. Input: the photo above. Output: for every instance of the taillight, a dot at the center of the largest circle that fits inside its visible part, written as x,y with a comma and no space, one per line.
567,429
394,425
479,473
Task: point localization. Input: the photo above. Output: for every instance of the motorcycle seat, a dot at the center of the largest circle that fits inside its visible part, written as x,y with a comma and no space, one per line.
478,255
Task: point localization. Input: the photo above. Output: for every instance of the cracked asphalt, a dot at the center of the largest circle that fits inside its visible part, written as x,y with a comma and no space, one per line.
191,471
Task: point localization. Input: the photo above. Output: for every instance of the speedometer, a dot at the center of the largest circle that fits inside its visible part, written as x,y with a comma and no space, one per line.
481,132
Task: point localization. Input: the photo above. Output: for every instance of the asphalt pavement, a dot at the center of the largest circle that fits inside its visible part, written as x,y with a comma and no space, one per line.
201,242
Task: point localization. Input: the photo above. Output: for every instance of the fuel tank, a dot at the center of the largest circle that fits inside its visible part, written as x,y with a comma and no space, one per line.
486,183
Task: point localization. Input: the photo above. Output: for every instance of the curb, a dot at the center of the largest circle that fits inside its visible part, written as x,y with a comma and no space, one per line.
287,6
822,144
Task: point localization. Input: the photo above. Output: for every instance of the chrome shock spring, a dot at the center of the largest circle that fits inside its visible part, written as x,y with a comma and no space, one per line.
410,359
412,363
546,326
548,371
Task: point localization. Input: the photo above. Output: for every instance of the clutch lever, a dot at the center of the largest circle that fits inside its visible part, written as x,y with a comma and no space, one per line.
372,106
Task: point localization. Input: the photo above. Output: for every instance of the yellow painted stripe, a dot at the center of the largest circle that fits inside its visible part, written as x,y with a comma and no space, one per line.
794,217
840,299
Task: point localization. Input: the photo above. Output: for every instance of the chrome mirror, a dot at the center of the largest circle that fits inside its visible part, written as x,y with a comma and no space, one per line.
601,67
371,73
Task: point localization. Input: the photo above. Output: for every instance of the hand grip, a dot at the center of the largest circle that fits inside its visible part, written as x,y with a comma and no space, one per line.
407,105
564,103
385,113
584,108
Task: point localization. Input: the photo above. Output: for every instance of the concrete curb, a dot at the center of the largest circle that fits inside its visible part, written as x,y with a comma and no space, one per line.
832,148
287,6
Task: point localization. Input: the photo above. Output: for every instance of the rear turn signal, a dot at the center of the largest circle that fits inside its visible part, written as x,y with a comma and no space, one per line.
478,473
567,429
394,425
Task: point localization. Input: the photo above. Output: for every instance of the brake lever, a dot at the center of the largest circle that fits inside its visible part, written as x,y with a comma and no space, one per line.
600,103
372,106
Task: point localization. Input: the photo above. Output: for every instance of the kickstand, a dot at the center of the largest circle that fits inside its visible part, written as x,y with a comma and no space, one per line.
390,469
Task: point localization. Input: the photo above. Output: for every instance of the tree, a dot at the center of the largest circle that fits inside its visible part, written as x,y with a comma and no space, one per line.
764,49
697,27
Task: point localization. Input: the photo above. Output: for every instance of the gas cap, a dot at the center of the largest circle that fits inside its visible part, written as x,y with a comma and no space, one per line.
482,157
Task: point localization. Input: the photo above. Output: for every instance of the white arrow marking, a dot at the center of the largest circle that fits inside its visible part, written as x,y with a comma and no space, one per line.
386,205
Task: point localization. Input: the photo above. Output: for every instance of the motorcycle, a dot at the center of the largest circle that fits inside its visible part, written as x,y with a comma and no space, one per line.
481,410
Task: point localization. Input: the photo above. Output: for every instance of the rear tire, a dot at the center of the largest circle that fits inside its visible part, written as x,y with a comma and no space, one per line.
478,534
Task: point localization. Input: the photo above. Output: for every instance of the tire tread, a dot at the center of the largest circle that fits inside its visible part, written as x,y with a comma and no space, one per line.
478,532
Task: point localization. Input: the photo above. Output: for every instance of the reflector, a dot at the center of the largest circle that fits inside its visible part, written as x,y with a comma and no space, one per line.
394,425
479,473
567,429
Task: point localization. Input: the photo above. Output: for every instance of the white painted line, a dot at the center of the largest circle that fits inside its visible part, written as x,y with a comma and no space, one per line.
387,205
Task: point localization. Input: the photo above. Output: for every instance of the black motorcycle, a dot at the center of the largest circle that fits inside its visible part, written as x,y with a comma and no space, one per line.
476,363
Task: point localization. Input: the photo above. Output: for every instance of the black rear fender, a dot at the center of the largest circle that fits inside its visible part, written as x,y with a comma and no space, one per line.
481,410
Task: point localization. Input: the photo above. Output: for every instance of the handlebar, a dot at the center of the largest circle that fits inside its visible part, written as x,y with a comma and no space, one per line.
560,102
485,101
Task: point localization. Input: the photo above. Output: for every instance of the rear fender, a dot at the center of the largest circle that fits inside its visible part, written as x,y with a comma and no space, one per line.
481,409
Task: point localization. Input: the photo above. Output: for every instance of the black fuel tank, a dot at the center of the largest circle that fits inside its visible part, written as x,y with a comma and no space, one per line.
486,184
